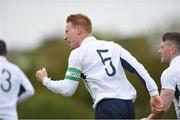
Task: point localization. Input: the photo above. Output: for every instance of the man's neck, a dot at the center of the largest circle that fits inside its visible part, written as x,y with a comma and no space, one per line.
84,37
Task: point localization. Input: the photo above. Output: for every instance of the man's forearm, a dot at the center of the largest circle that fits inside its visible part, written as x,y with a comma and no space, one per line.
63,87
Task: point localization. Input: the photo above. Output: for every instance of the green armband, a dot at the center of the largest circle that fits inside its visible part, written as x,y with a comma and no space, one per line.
73,74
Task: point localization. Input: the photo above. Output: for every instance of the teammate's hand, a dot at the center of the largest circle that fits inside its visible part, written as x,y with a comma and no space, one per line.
144,119
41,74
156,104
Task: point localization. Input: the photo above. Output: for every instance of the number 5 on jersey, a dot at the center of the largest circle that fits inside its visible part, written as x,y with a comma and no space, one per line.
105,60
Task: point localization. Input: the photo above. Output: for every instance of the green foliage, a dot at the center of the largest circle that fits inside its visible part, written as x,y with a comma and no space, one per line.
53,54
48,105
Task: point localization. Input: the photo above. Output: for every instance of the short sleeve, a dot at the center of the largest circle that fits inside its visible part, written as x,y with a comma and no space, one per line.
167,80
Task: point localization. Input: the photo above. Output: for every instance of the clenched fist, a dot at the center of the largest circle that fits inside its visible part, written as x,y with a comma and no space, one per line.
41,74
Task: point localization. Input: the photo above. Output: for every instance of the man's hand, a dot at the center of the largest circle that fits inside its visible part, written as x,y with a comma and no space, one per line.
41,74
156,104
156,108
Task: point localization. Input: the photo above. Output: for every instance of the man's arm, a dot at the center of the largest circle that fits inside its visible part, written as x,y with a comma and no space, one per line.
167,96
131,64
65,87
156,103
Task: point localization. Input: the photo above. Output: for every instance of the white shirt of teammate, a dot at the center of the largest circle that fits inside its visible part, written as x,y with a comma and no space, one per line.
102,64
170,79
14,87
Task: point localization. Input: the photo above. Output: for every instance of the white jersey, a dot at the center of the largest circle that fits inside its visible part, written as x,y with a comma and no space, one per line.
14,87
102,66
170,79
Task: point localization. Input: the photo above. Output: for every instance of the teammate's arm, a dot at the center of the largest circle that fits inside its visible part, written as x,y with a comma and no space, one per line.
167,96
26,88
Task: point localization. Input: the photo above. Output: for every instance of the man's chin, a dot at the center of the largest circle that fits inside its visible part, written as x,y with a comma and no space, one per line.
72,48
162,61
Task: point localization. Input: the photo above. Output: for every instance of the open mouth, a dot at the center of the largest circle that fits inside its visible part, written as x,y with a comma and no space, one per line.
68,42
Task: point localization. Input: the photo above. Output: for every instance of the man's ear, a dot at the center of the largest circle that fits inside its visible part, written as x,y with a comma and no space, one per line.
173,50
79,29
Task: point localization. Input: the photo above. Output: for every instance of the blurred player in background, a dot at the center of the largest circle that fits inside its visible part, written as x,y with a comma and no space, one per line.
14,86
170,78
101,64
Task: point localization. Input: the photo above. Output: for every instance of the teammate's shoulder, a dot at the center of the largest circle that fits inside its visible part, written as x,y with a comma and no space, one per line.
167,72
13,66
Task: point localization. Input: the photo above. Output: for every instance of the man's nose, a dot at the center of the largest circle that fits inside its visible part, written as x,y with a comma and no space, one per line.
65,38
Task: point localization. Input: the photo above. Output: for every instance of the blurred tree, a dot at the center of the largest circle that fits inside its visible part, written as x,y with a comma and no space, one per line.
53,54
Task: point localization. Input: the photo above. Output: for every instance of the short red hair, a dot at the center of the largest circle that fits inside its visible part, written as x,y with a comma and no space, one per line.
80,19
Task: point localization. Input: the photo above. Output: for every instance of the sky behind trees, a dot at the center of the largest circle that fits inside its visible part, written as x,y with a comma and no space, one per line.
25,23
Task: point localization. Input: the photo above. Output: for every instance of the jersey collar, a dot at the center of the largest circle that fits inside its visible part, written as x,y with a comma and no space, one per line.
88,39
